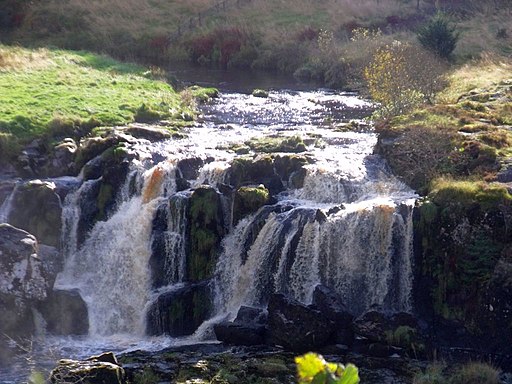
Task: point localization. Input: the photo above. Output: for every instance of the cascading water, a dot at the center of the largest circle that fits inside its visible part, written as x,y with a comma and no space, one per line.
347,224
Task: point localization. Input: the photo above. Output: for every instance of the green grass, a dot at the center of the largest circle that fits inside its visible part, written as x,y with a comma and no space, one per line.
66,90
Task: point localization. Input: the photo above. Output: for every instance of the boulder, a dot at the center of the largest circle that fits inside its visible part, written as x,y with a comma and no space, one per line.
181,311
102,369
61,159
381,331
22,281
260,93
36,208
65,313
189,168
332,307
260,170
21,271
249,328
149,133
248,200
296,327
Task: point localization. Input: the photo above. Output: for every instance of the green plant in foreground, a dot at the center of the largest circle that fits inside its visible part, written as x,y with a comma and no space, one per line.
312,368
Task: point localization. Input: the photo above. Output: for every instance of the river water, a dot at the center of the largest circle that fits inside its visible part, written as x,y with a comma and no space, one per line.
361,248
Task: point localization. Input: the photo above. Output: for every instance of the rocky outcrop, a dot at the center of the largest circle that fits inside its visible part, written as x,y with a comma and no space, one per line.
181,311
248,200
206,229
296,327
248,328
36,208
103,369
65,313
23,282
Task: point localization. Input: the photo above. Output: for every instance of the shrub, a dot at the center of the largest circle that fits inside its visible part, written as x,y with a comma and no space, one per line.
476,373
432,375
402,76
312,368
438,36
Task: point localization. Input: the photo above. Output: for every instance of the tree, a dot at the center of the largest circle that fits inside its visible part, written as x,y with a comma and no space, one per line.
401,76
439,36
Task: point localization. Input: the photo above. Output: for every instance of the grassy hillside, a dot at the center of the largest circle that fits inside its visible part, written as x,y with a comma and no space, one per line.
55,92
319,40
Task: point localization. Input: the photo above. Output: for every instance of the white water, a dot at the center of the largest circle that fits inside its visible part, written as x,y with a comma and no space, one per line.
363,251
5,208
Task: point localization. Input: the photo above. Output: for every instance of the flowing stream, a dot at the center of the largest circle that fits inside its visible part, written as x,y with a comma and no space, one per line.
348,226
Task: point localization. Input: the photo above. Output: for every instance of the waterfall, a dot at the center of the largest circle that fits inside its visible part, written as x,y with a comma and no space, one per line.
110,268
5,208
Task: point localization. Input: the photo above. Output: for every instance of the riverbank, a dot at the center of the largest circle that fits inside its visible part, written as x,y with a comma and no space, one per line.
54,94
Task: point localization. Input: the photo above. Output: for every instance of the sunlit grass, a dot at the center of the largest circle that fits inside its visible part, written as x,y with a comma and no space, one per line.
76,88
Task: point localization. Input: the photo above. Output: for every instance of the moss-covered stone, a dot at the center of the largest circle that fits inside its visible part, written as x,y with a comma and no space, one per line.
205,233
461,234
294,144
248,200
260,93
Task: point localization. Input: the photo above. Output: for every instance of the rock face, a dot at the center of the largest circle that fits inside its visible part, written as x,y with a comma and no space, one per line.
103,369
65,313
249,328
331,306
22,281
180,312
297,327
36,208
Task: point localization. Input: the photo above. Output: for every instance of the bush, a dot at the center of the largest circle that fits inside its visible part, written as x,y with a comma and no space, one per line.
476,373
312,368
402,76
438,36
432,375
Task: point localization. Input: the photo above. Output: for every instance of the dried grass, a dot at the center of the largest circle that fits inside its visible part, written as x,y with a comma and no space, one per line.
17,59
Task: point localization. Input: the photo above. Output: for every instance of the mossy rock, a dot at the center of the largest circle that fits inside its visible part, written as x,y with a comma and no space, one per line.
248,200
293,144
260,93
205,233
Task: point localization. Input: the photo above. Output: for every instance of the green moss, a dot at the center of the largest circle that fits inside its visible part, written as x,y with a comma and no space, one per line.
293,144
205,233
147,376
204,95
248,200
466,193
105,197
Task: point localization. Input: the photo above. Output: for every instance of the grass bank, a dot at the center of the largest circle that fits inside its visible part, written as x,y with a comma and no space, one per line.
63,93
465,135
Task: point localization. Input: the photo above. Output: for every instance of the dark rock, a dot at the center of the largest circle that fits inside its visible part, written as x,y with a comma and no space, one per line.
297,327
180,312
106,357
189,168
52,261
290,169
249,328
92,147
332,307
65,313
87,371
61,159
260,170
37,209
148,132
260,93
205,229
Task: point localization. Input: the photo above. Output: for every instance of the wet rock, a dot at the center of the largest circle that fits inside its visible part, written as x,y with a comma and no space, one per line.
505,173
91,371
150,133
260,93
61,159
94,146
189,168
291,169
32,159
260,170
249,328
381,332
65,313
22,281
248,200
332,307
296,327
206,229
180,312
36,208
